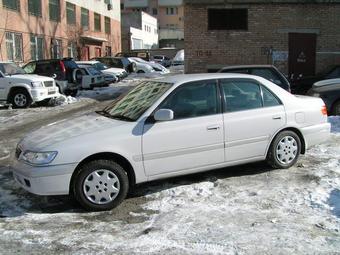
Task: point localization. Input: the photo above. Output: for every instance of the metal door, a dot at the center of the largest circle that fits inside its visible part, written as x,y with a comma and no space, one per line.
301,58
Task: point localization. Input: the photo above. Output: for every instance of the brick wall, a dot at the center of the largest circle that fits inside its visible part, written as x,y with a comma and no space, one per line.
268,26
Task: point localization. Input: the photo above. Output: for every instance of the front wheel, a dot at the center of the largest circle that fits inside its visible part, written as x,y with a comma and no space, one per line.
100,185
284,150
20,98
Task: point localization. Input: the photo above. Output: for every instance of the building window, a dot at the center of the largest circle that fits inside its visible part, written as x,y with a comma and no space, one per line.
228,19
72,50
56,48
14,46
97,23
107,25
11,4
34,7
108,51
85,18
37,47
122,6
171,11
154,11
54,9
70,13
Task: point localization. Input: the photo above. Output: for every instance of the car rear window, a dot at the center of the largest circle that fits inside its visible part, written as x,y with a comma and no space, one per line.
70,64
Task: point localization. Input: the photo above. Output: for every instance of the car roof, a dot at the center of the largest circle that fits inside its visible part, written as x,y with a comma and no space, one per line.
246,66
90,62
183,78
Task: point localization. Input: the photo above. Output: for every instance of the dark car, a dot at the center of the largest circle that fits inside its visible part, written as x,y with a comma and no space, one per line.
65,71
302,84
329,92
268,72
163,60
119,62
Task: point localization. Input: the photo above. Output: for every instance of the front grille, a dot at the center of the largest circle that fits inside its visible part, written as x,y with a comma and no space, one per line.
18,152
48,84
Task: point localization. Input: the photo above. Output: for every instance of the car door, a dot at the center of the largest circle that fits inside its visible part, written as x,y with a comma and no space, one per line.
3,87
194,138
252,115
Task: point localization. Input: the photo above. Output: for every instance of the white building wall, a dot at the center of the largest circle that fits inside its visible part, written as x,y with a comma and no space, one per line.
100,7
146,37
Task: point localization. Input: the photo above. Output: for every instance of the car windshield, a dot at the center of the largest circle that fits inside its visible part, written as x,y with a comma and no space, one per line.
131,106
93,71
11,69
100,66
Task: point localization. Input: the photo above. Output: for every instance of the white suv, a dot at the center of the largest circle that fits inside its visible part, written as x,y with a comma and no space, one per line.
21,89
168,127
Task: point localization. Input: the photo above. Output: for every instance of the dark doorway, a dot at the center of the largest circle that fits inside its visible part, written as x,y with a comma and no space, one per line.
85,53
302,51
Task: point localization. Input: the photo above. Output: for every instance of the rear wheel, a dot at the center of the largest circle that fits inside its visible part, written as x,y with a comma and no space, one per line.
284,150
20,98
100,185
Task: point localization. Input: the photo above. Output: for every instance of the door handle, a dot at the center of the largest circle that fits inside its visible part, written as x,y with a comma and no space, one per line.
276,117
209,128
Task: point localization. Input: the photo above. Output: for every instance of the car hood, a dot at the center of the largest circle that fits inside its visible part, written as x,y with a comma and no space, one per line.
29,77
66,129
326,82
113,70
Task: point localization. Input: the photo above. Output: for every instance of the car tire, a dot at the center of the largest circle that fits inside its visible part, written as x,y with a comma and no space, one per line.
20,98
284,150
140,71
336,108
100,185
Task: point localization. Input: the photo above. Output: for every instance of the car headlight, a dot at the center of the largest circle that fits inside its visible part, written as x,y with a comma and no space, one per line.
39,158
37,84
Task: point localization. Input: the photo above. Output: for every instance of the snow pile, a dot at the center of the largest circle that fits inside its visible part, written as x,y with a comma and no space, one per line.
62,100
108,92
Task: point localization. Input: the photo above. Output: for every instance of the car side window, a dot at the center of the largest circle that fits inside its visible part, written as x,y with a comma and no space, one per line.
269,99
30,68
194,99
241,95
267,74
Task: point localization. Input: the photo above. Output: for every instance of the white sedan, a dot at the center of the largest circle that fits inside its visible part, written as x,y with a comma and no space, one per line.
157,67
142,67
120,73
168,127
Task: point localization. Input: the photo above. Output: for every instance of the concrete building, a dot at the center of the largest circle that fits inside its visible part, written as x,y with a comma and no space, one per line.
170,16
139,31
300,37
40,29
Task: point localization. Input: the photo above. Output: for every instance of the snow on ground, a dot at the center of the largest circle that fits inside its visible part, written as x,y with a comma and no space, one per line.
247,209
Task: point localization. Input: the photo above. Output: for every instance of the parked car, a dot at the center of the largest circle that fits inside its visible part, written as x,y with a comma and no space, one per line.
329,92
91,77
120,73
143,54
167,127
300,85
21,89
156,67
268,72
118,62
65,72
142,67
163,60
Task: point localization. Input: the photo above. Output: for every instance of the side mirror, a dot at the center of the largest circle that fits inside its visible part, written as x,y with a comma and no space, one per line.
164,115
54,76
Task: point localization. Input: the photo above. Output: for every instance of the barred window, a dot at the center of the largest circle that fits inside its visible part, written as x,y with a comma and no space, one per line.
34,7
54,9
37,47
14,46
70,13
107,25
97,23
85,18
11,4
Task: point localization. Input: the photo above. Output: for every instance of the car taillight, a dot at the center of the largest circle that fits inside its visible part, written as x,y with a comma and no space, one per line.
324,110
63,69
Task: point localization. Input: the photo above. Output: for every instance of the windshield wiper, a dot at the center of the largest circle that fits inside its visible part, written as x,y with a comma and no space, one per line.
118,116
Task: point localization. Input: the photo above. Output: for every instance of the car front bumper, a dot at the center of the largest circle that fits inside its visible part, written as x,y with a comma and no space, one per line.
40,94
316,134
43,180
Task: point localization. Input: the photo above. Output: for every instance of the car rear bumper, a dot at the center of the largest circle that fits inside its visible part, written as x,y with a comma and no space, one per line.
46,180
316,134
